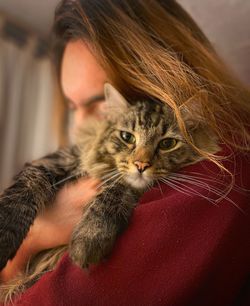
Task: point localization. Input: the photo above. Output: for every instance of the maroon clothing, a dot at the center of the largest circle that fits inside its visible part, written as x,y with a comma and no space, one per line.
178,250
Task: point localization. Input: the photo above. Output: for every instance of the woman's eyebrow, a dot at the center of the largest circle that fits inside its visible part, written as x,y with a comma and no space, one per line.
90,101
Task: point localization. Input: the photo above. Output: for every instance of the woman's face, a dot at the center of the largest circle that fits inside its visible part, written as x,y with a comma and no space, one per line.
82,81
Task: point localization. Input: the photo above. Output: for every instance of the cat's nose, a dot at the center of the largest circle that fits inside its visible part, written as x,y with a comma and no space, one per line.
142,166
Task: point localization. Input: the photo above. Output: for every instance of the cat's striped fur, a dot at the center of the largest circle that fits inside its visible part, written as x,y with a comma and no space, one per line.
137,144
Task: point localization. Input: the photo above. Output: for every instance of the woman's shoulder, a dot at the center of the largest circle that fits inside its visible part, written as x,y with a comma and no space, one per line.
184,246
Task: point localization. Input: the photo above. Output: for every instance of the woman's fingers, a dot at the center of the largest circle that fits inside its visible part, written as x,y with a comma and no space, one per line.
53,226
19,262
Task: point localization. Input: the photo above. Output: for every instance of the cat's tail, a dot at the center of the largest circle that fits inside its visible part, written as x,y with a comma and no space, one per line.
43,262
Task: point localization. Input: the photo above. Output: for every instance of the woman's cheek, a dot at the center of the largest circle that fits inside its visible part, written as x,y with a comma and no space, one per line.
76,117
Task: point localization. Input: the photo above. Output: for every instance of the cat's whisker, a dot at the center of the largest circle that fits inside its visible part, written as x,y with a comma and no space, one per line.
222,194
107,175
198,174
204,186
115,181
107,180
167,182
200,182
174,186
157,181
193,191
67,179
205,178
188,190
180,187
150,184
7,196
112,185
214,202
109,170
123,162
212,179
195,182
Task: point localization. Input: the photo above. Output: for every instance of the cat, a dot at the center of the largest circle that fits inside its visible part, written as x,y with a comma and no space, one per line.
137,144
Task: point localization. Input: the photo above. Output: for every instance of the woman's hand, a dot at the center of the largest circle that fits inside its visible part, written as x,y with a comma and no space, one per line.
53,226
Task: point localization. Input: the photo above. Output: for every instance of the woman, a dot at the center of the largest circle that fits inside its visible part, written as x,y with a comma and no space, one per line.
178,249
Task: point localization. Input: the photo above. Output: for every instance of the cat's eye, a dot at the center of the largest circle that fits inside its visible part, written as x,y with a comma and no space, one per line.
127,137
167,143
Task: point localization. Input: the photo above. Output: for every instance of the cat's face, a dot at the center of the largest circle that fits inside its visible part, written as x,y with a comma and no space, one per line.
146,143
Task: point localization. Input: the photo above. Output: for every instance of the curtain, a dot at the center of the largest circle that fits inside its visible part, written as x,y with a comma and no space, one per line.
26,105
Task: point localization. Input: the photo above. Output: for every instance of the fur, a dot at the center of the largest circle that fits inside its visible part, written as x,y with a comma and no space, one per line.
127,152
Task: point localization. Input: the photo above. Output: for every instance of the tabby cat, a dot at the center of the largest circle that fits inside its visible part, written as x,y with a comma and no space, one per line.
135,145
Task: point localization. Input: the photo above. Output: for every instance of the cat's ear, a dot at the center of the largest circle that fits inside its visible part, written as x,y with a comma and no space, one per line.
203,136
114,100
192,110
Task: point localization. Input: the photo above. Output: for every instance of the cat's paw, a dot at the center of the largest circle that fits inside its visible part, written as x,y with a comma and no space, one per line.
89,246
5,255
15,220
8,243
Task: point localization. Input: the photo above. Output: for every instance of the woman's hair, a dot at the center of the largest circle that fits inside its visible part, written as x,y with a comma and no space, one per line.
154,48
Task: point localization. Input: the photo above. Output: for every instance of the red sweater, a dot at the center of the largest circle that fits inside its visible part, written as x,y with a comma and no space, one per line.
178,250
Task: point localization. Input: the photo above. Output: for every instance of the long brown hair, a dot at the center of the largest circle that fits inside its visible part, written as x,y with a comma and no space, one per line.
152,48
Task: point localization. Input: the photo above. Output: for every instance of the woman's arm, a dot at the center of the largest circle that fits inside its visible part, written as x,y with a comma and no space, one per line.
53,227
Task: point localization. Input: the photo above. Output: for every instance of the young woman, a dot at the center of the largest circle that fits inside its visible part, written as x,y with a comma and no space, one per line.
179,249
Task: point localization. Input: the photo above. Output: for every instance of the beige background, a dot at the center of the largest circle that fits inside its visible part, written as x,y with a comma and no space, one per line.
27,97
226,23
